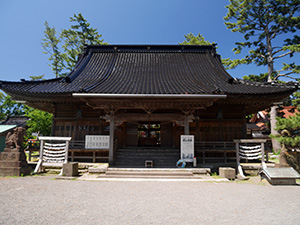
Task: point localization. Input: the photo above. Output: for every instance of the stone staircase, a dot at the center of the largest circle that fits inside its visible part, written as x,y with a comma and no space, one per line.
154,173
136,157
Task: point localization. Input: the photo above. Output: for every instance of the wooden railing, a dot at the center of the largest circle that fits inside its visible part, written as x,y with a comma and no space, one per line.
221,151
77,147
217,151
214,145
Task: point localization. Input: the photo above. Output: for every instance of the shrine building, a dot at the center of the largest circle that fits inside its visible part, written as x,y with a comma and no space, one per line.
145,97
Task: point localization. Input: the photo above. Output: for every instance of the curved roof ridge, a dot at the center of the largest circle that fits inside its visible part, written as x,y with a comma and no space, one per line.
151,47
23,81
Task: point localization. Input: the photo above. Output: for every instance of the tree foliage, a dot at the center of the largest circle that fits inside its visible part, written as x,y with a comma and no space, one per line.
262,77
65,47
51,46
267,26
9,107
191,39
296,98
77,37
39,122
38,77
289,131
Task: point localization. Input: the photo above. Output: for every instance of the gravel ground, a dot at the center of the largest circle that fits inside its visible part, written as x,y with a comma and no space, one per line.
44,200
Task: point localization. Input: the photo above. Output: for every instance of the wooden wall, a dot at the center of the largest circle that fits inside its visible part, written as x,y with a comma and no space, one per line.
76,121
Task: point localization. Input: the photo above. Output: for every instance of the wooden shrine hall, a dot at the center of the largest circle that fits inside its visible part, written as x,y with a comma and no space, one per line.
145,96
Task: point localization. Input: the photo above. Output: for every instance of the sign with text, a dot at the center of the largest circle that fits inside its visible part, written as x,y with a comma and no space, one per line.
97,141
187,148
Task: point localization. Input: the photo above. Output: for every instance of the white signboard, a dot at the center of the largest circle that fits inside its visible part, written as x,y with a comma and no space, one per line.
187,148
97,141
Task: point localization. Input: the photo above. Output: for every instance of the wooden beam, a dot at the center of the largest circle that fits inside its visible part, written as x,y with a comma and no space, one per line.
147,117
111,134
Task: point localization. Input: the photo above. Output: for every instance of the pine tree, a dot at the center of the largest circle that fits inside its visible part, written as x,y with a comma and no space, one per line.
76,38
191,39
65,47
51,46
289,128
267,26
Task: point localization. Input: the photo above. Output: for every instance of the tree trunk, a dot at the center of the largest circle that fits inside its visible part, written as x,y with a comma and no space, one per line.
273,114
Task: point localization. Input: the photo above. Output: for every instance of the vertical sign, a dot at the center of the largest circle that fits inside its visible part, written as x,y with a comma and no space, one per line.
187,148
97,141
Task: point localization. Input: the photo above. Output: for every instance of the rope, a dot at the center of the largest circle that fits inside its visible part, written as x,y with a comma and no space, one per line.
250,155
55,145
250,152
253,151
256,147
54,152
251,158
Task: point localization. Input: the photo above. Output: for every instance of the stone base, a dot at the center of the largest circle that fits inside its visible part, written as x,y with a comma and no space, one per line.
12,156
15,171
70,169
227,172
283,181
13,163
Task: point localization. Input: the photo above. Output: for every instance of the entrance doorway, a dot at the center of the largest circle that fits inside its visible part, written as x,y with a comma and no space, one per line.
149,134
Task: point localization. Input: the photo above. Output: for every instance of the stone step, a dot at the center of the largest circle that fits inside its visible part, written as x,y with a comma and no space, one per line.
161,170
147,153
150,177
148,149
149,173
129,164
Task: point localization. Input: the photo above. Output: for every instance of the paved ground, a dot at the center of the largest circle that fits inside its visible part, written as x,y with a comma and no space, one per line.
44,200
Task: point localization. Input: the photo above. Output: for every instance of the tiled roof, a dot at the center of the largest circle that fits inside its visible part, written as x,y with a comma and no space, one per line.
147,69
19,121
288,111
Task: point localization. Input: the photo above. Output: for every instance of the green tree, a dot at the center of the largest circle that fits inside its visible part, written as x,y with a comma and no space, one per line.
65,47
262,77
75,38
51,46
296,99
289,131
191,39
39,77
289,128
9,107
39,122
267,26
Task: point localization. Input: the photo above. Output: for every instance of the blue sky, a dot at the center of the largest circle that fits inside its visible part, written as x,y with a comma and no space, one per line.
119,21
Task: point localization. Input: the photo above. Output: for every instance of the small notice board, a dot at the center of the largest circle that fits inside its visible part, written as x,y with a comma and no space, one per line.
97,141
187,148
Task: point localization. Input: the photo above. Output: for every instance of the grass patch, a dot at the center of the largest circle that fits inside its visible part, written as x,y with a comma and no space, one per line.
34,156
215,175
274,159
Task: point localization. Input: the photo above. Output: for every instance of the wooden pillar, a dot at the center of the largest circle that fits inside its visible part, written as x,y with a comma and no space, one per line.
197,130
53,121
264,166
186,125
111,134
